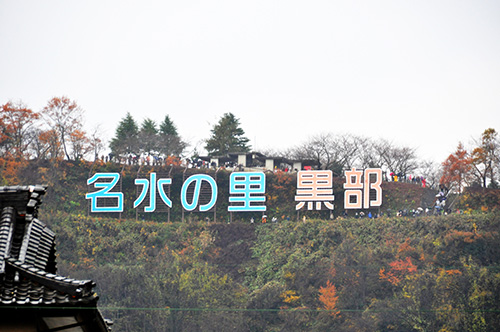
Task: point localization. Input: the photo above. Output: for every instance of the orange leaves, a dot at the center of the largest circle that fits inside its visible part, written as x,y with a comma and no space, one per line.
453,272
467,237
49,145
60,103
80,144
485,156
16,121
65,116
329,298
283,180
405,247
279,188
399,270
457,168
172,160
10,169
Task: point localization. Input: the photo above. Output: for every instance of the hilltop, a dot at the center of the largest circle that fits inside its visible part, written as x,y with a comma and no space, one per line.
67,183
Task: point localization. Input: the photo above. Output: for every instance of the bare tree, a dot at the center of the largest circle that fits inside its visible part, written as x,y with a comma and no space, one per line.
399,159
317,149
368,154
350,149
96,142
333,152
432,172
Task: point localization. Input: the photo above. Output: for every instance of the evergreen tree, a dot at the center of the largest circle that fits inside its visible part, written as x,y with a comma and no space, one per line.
148,136
227,136
148,126
171,143
167,127
126,137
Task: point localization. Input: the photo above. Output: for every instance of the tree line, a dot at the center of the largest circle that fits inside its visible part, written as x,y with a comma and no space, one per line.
56,132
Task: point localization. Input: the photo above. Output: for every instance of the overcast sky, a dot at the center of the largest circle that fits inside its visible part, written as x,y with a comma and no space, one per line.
423,74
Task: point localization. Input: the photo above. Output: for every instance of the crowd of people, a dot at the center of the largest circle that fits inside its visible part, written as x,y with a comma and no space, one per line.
399,177
149,159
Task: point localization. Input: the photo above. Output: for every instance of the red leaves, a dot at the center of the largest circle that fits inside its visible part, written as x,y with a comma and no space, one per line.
399,270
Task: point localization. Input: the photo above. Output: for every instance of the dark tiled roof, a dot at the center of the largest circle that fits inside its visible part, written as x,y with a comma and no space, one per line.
25,199
25,284
28,272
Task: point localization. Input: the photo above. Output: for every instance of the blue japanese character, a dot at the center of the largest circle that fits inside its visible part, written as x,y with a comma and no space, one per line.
152,195
250,188
198,179
105,192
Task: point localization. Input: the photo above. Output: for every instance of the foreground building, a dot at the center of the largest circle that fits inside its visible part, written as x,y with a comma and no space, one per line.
33,297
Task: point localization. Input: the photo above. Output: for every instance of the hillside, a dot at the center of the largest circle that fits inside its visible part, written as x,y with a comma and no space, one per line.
385,274
431,273
67,186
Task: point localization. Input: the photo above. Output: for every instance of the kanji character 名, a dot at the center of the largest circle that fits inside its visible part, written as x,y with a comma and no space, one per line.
105,193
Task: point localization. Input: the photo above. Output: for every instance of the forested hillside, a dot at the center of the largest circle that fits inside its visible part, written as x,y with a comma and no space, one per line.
385,274
392,273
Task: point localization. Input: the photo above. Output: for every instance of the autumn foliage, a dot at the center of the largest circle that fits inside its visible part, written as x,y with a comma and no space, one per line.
16,126
398,271
457,168
345,275
329,298
56,131
65,117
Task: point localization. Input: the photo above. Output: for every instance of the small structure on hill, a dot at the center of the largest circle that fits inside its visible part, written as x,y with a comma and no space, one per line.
259,161
33,297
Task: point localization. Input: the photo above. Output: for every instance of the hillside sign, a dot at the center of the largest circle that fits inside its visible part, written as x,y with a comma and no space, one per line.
246,191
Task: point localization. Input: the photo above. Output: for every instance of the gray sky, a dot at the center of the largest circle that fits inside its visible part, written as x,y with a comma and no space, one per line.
424,74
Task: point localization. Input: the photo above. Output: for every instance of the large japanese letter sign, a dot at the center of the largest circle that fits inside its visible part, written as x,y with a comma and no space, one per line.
198,179
314,187
105,192
247,190
359,186
376,186
152,184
